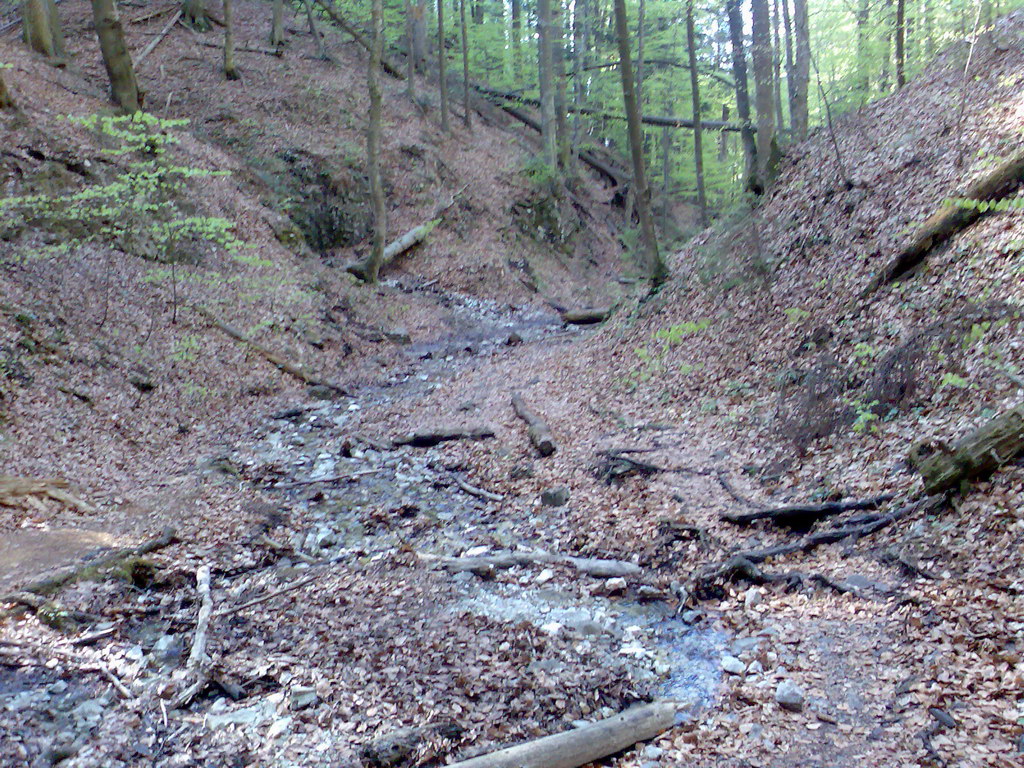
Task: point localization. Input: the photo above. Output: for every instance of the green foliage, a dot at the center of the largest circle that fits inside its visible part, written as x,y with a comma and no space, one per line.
995,206
865,416
140,211
654,359
952,380
796,314
539,174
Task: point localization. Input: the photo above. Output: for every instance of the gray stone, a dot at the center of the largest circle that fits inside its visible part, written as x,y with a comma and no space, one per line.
555,497
303,696
789,696
732,665
652,752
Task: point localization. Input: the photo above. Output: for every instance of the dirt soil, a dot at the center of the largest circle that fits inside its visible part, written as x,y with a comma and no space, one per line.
339,637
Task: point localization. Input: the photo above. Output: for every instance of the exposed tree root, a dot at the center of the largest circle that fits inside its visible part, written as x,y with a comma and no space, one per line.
805,515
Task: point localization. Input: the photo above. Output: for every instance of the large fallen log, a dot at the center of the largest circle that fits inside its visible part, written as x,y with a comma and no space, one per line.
804,515
951,218
586,744
426,438
974,456
537,428
588,316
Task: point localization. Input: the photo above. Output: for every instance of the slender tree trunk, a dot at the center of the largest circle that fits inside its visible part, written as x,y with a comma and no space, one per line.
862,83
723,137
321,49
410,58
640,26
929,30
116,58
442,56
36,28
193,13
277,24
764,91
777,68
787,34
801,69
6,100
545,64
230,71
561,95
666,181
901,32
380,214
656,268
698,145
517,41
739,71
579,10
465,65
419,34
56,30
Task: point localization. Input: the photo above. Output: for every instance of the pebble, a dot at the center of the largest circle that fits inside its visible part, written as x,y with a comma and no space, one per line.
652,752
555,497
789,696
617,584
753,598
733,666
545,576
303,696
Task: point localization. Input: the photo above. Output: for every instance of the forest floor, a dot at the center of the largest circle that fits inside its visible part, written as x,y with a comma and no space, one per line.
339,632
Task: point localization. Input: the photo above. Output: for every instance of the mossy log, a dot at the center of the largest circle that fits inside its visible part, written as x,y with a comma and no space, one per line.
537,429
974,456
950,219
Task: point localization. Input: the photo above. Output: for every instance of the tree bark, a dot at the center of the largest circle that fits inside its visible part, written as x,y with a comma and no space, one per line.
194,14
764,91
564,140
410,58
545,65
380,214
441,60
537,429
641,14
901,32
862,84
277,24
419,34
6,100
116,58
37,29
321,49
801,69
517,41
465,67
230,71
657,270
739,69
777,69
698,147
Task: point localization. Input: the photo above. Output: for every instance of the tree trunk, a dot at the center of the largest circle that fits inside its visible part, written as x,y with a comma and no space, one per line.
442,56
698,147
465,66
36,27
419,34
787,34
656,267
780,123
801,69
230,72
561,97
579,11
764,91
723,137
929,30
321,49
193,13
641,17
862,83
739,72
6,100
380,222
517,41
901,32
410,54
277,24
545,65
116,59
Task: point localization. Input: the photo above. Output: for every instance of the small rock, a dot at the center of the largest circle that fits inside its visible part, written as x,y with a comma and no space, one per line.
616,585
513,339
691,617
753,598
755,668
789,696
732,665
545,576
302,696
476,551
279,727
555,497
552,628
652,752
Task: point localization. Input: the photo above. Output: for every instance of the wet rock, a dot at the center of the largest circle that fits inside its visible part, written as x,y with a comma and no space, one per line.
545,576
789,696
167,649
302,696
555,497
732,665
691,617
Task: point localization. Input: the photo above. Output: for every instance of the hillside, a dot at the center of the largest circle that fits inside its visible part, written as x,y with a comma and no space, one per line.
760,375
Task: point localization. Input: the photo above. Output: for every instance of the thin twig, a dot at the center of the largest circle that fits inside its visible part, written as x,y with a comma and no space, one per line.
472,490
269,596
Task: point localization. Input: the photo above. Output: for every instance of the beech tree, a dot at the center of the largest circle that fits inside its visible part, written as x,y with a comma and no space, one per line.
194,13
116,58
465,66
801,77
764,90
441,74
277,24
41,27
739,73
698,147
230,72
545,65
376,257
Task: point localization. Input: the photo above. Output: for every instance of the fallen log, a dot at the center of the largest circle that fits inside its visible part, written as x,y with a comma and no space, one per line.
537,428
586,744
156,40
473,490
973,457
951,218
804,515
197,667
385,64
428,438
275,359
586,316
485,565
277,53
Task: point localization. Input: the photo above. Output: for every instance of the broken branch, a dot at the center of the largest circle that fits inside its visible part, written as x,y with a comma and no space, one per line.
537,428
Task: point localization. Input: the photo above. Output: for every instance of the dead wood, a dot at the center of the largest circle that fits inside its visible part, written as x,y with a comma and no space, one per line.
52,613
486,565
973,457
14,491
269,596
156,40
426,438
385,64
275,359
537,428
55,581
589,316
330,478
277,53
805,515
950,219
197,667
585,744
473,490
